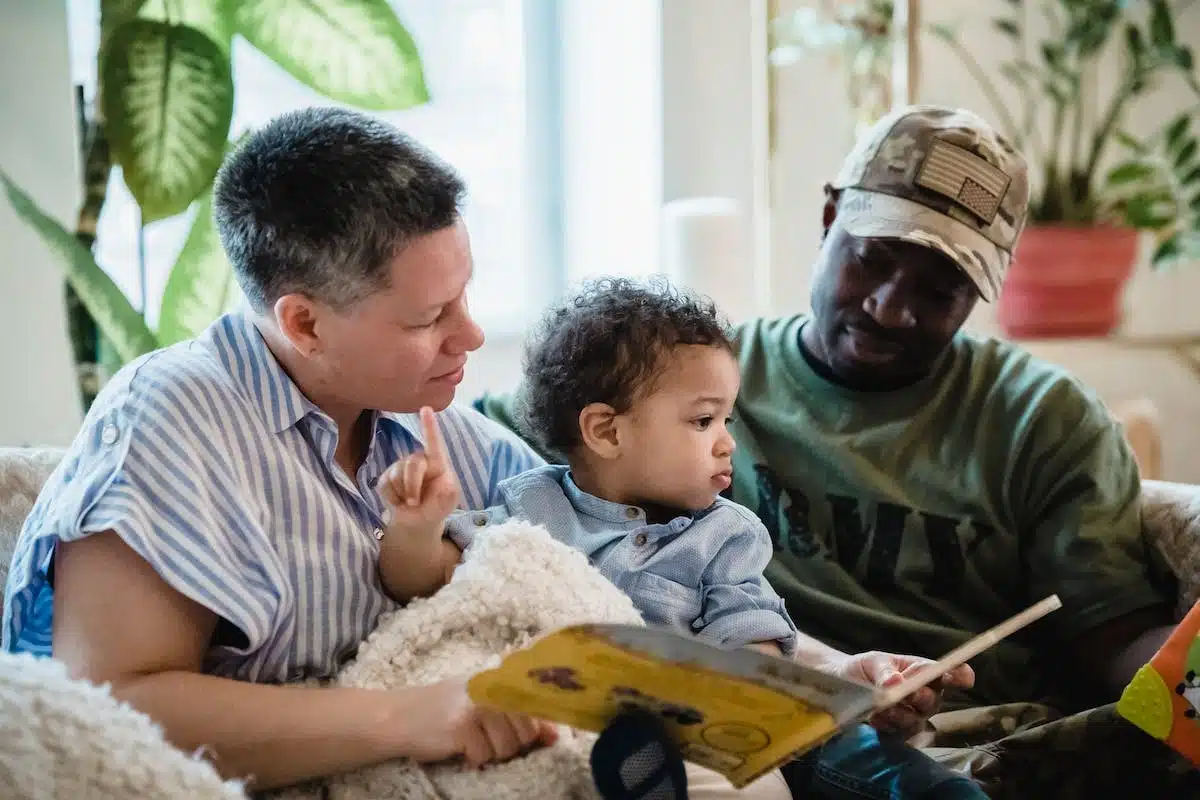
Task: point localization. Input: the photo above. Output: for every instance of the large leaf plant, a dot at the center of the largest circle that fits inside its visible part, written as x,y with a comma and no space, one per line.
165,94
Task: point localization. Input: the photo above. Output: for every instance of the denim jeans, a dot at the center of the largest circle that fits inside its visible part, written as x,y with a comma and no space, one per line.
861,764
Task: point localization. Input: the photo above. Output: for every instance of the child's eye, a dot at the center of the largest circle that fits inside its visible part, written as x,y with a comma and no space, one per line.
728,421
703,423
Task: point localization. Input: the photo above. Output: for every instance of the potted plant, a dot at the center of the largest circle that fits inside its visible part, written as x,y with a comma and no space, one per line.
1081,242
164,109
1087,215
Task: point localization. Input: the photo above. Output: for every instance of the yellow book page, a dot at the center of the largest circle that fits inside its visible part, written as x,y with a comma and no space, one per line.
738,712
582,677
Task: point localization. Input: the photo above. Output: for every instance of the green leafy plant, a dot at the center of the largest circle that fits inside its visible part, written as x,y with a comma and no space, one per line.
1155,184
164,108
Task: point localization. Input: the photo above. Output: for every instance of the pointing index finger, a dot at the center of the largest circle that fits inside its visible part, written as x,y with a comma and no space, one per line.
435,447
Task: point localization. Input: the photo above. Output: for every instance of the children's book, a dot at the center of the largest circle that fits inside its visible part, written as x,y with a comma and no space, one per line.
1163,699
739,712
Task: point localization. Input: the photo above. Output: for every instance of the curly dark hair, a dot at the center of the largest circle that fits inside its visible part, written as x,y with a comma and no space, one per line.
606,344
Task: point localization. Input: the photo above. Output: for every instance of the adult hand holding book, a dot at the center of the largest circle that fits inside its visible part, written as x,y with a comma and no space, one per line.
907,715
739,712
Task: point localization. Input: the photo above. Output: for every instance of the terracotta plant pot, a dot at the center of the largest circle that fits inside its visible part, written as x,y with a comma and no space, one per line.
1067,282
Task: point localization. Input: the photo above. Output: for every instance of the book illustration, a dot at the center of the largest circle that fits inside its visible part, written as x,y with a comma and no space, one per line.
740,712
562,677
627,698
1163,698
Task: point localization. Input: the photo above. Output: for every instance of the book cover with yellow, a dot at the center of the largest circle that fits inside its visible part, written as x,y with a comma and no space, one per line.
739,712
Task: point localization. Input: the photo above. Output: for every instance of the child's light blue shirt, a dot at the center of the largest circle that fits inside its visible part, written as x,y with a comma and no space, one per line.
701,573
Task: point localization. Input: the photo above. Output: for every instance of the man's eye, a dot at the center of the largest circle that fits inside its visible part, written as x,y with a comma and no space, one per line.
944,294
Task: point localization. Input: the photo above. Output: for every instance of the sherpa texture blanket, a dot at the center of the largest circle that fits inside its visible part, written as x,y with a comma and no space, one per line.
61,738
515,583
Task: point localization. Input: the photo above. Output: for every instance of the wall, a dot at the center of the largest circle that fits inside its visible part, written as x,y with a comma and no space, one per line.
661,105
810,148
672,112
611,137
38,150
664,102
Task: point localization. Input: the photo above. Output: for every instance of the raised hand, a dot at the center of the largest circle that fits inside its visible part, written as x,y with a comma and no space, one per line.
420,490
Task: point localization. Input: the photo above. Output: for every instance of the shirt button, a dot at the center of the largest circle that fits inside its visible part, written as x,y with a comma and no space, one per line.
632,512
109,434
378,534
480,520
640,539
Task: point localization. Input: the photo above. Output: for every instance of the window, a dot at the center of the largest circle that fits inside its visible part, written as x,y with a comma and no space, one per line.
492,68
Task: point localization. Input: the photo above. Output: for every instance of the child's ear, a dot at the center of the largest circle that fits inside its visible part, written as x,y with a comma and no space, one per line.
599,430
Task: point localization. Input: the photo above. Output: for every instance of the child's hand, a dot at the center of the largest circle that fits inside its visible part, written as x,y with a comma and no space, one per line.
421,490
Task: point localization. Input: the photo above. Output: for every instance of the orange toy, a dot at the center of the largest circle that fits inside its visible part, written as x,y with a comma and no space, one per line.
1163,699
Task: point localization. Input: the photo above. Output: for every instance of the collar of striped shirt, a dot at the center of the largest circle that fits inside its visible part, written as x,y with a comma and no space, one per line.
262,376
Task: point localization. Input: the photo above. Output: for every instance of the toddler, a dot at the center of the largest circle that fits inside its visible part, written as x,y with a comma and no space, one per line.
634,386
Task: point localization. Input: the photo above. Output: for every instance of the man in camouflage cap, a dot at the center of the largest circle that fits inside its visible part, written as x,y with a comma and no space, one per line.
937,193
922,484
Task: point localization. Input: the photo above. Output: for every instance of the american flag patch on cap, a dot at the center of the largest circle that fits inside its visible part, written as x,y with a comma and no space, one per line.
964,177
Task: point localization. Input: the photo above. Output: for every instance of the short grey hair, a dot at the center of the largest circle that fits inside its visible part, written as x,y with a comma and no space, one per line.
319,201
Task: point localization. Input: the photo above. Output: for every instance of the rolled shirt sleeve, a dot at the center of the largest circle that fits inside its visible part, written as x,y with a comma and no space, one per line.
738,605
165,484
462,527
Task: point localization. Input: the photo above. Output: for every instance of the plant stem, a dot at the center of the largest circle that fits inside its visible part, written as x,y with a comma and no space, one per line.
1060,185
1071,205
1052,192
1029,130
141,243
1111,117
97,164
989,88
81,325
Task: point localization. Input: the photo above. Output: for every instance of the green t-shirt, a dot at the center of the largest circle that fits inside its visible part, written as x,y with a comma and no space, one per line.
907,521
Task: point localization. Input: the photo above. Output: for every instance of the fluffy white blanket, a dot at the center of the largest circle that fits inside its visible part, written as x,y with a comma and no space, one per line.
515,584
61,738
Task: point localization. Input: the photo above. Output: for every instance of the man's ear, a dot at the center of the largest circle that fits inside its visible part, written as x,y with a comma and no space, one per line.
829,213
297,317
599,431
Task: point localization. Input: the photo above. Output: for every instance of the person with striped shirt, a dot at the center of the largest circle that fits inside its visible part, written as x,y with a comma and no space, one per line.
212,532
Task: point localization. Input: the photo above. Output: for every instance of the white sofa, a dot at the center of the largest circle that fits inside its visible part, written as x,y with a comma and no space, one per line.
1171,517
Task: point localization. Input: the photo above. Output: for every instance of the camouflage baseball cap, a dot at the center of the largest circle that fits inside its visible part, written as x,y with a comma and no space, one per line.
940,177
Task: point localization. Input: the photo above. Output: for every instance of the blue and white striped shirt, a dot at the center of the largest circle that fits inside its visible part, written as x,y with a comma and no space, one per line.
210,463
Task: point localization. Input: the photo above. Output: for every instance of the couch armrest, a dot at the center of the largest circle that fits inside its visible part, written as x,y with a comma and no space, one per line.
23,471
1171,520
